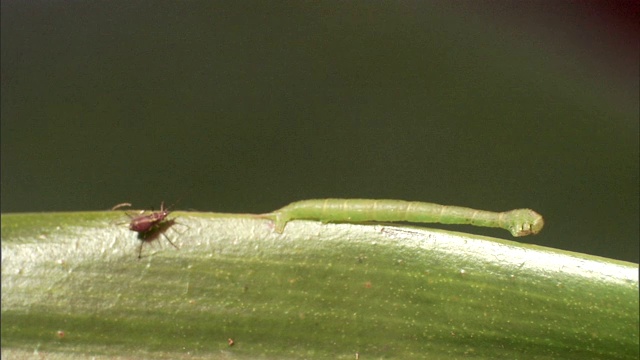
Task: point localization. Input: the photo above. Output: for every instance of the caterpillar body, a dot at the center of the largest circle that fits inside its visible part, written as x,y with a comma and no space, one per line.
519,222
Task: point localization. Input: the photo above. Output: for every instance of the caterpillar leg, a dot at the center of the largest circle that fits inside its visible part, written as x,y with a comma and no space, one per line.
279,221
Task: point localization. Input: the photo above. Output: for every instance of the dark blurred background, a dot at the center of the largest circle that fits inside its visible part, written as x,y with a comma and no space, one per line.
245,106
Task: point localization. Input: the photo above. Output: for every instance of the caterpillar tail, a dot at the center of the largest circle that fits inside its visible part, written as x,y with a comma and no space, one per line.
523,222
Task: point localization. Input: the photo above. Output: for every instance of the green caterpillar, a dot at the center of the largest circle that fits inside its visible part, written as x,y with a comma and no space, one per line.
519,222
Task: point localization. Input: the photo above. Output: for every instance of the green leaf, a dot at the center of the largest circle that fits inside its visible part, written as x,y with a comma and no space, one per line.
72,286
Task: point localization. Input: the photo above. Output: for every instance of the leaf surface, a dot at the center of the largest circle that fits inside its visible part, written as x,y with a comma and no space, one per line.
72,286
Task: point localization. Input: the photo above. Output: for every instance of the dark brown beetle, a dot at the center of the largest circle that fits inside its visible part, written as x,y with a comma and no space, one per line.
150,226
144,223
157,229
